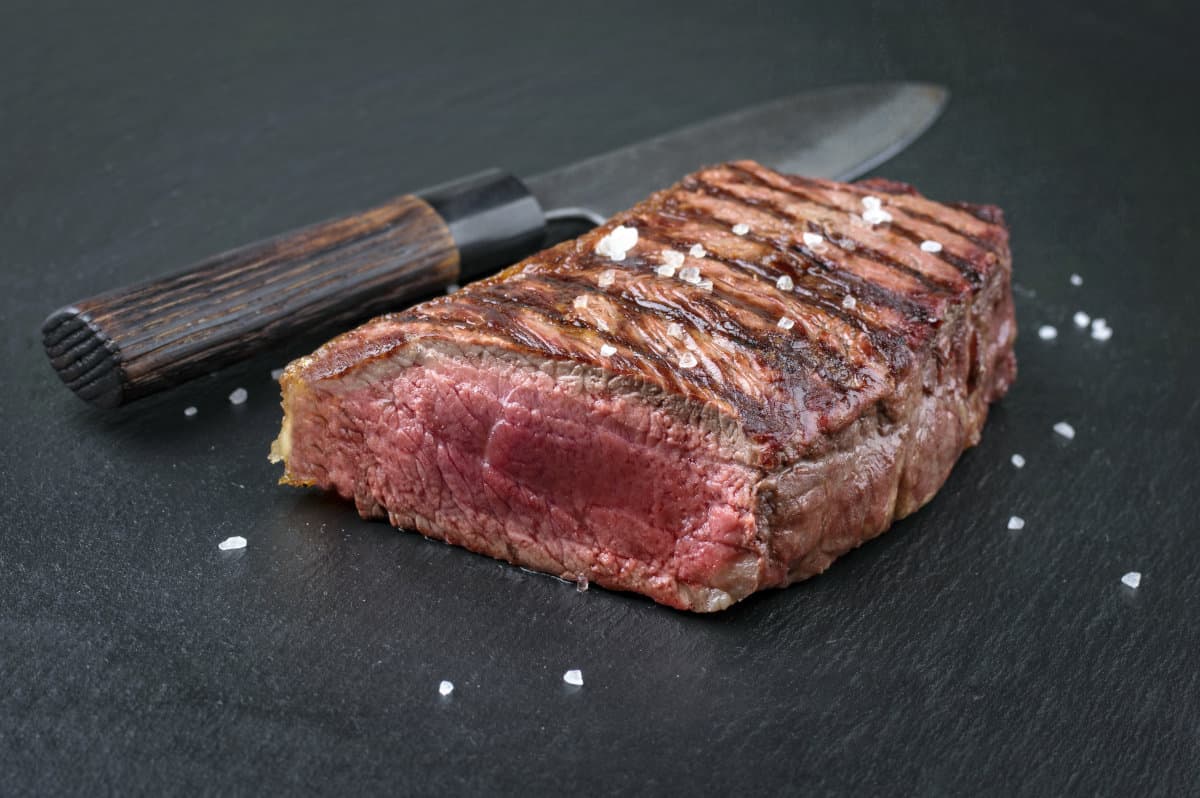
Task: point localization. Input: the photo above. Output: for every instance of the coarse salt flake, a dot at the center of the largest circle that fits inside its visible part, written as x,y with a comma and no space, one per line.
874,216
697,251
741,228
581,302
672,258
1016,522
666,270
690,274
608,350
931,246
574,677
445,688
1064,429
618,242
232,544
687,360
784,283
813,240
1076,280
276,374
1081,319
705,285
452,288
1047,333
872,203
607,278
675,329
849,303
785,323
190,411
238,396
1018,461
1103,334
1132,579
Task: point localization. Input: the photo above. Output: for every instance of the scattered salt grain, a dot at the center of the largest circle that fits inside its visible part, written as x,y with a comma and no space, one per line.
1064,429
874,216
574,677
276,374
697,251
1076,280
1047,332
872,203
607,278
1132,579
580,302
190,411
1100,330
813,240
705,285
675,329
849,303
931,246
445,688
1081,319
741,228
452,288
238,396
617,243
690,274
607,350
581,584
687,360
1018,461
1015,523
784,283
672,258
785,323
666,270
232,544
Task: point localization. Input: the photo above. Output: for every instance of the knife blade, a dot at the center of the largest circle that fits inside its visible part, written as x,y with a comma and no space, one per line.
136,341
839,133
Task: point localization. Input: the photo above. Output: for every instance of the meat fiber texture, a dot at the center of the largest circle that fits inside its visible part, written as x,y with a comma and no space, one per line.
769,374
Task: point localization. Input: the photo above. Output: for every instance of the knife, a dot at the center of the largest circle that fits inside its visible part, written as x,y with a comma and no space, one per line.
133,342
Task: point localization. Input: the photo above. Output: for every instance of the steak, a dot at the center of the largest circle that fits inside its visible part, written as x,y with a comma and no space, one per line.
720,390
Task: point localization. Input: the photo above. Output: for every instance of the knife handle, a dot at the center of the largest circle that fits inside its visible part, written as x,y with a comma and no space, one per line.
132,342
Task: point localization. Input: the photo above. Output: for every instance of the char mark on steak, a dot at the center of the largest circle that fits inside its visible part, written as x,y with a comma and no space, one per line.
774,372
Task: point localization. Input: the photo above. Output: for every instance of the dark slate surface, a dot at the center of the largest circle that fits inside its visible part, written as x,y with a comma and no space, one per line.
949,656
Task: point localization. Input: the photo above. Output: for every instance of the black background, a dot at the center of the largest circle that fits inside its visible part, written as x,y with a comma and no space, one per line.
949,656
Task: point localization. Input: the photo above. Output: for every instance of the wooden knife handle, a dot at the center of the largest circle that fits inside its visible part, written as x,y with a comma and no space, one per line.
129,343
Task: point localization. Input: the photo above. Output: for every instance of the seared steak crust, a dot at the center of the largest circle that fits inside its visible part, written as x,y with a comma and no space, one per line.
809,358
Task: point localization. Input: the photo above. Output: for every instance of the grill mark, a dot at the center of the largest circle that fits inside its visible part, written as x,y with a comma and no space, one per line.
887,340
930,284
826,308
970,271
880,295
715,320
697,382
982,243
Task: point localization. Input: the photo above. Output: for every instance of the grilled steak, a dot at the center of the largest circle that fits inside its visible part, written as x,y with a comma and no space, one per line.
721,390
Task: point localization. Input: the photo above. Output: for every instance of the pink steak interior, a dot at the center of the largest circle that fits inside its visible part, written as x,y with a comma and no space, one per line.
512,462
